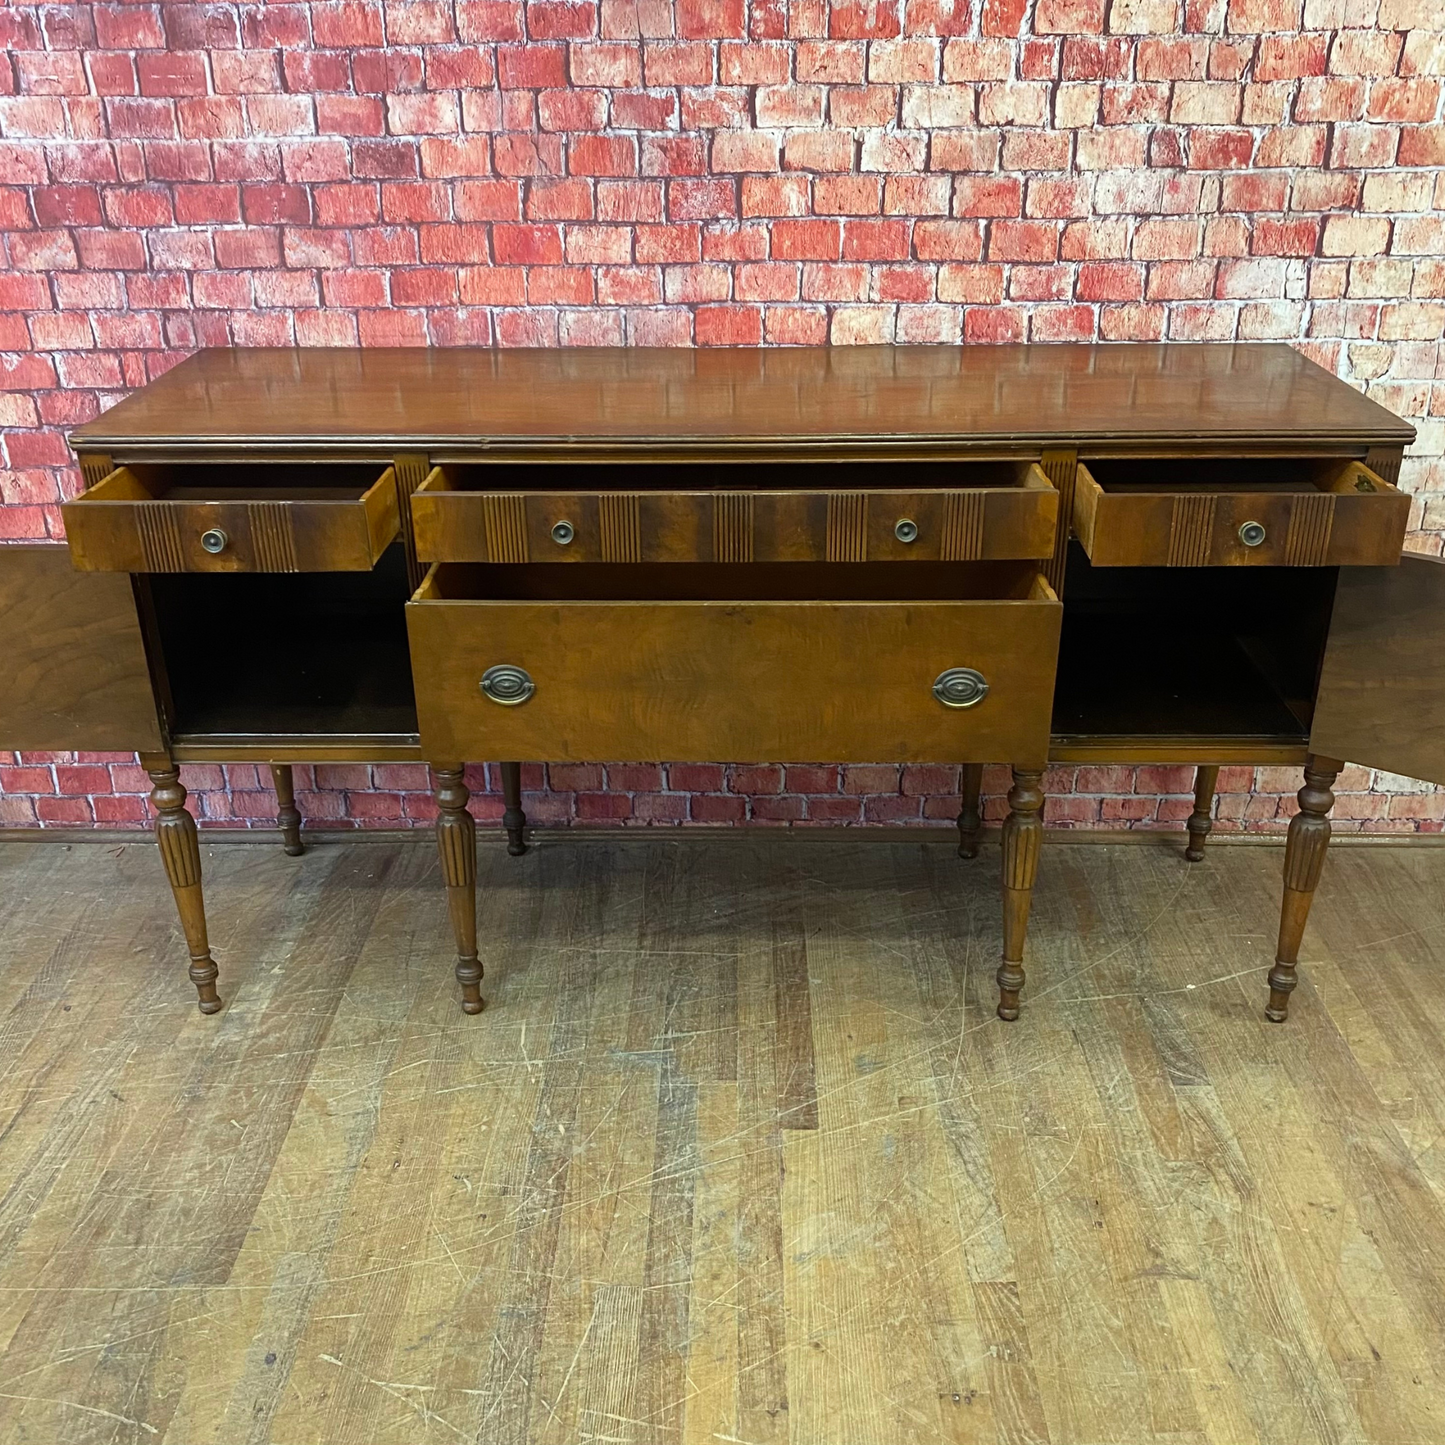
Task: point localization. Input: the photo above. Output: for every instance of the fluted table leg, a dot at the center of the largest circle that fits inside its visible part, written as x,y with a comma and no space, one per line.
457,844
288,815
1023,833
514,820
181,854
970,822
1304,860
1201,820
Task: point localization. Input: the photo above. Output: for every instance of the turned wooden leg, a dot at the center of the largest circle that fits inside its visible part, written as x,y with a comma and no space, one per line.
457,843
1304,858
288,815
181,854
1023,832
1201,820
970,823
513,818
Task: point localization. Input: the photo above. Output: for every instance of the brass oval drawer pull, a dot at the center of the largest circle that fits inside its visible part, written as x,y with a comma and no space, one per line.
1252,533
508,685
214,541
906,530
563,533
960,687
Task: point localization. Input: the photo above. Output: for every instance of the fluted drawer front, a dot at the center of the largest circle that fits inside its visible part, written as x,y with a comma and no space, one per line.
457,519
1238,513
758,678
244,519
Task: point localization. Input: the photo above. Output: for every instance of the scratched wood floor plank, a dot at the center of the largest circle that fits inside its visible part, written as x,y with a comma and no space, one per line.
169,1197
1397,1044
1357,1217
933,1209
59,1098
735,1314
1135,1200
845,1236
1290,1206
962,1238
776,1101
738,1152
273,1293
586,1379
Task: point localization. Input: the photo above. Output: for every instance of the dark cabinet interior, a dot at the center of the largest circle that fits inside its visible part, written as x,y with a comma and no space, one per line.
248,655
1191,652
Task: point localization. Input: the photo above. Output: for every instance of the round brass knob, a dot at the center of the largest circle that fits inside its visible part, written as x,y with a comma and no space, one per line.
1252,533
508,685
906,530
214,540
563,533
960,687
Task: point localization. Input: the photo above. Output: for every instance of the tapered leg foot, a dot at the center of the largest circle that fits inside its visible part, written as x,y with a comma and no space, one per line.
1201,820
970,823
457,844
181,855
288,815
1304,860
514,820
1023,833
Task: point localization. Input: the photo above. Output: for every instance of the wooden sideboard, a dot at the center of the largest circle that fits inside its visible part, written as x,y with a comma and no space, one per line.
1179,553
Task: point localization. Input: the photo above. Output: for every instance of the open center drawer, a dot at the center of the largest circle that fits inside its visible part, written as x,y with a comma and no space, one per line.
942,662
950,511
1237,512
234,518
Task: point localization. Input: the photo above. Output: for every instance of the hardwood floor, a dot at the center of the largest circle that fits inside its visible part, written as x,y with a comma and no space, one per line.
738,1151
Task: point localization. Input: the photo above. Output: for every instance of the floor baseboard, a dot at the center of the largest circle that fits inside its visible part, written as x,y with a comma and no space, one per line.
941,836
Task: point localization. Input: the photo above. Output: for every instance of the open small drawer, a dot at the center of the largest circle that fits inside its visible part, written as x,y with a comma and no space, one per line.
239,518
1223,512
769,662
802,512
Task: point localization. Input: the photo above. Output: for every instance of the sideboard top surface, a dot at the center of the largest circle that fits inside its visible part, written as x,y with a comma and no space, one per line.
452,400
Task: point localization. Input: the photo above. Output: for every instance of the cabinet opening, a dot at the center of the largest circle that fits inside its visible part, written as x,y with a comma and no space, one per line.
1228,653
270,655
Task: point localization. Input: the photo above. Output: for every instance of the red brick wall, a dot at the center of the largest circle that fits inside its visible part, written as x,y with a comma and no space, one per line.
708,172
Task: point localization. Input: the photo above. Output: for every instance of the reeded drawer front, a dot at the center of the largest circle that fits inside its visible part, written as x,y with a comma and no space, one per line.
279,518
996,511
1224,513
764,679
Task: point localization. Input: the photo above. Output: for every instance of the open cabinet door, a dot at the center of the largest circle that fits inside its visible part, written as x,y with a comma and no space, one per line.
73,671
1382,689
